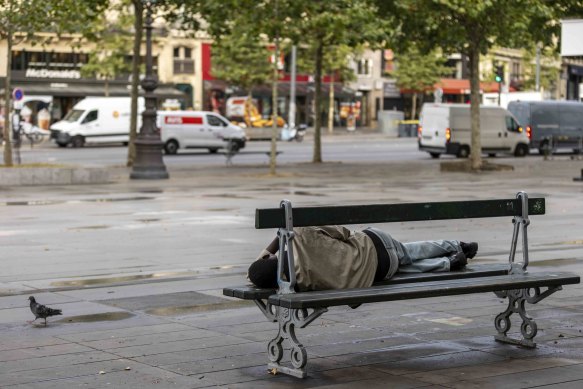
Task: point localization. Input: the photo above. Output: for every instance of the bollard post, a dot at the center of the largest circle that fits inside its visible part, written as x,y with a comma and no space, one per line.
579,178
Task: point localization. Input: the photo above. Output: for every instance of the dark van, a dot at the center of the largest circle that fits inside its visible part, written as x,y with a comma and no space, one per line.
551,124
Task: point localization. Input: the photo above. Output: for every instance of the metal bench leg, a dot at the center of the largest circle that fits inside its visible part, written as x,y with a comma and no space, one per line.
288,319
517,300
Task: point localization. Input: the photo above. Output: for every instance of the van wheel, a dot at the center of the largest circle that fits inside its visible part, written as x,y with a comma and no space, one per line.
434,155
463,152
77,141
213,150
171,147
521,150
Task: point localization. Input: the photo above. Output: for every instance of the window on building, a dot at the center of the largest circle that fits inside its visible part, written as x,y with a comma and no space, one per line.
364,67
183,62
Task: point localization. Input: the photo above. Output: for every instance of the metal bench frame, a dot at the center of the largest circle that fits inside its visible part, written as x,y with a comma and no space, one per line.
289,318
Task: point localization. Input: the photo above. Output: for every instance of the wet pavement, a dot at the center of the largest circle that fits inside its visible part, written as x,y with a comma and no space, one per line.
138,267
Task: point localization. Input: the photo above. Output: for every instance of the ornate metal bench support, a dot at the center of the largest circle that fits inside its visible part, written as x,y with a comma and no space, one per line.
267,309
518,221
517,299
288,320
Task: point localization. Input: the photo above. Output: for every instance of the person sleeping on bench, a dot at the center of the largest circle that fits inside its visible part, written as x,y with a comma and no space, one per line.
334,257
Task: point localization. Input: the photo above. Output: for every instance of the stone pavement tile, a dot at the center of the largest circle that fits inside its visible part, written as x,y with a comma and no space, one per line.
198,354
348,345
563,385
229,317
55,361
8,340
458,333
42,351
505,368
134,330
436,362
116,342
219,364
160,347
61,372
256,376
382,355
542,376
20,301
139,376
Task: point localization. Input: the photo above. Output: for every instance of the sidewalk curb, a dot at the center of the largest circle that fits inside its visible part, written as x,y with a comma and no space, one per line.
53,176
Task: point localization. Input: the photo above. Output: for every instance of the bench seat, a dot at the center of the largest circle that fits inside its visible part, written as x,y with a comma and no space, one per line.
391,292
250,292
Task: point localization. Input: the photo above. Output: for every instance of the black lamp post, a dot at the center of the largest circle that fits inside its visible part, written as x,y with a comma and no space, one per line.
149,163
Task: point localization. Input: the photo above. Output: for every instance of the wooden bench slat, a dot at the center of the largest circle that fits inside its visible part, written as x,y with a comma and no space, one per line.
382,293
250,292
388,213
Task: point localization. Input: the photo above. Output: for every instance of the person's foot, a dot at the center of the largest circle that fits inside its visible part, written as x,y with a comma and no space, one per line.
457,261
469,249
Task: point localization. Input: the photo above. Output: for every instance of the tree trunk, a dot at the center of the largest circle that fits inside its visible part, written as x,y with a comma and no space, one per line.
476,149
331,105
138,22
318,104
106,86
7,102
274,115
413,105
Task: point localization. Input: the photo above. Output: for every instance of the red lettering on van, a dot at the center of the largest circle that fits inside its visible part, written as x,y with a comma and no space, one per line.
183,120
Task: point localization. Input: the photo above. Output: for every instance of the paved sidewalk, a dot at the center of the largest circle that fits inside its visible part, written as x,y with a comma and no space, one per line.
175,330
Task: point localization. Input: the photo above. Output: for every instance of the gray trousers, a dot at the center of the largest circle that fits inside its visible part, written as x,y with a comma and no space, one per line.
425,256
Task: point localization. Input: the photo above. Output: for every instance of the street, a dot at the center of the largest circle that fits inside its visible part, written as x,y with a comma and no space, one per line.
350,148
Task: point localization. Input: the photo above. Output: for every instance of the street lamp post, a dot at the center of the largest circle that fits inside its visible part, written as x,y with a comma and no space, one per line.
149,163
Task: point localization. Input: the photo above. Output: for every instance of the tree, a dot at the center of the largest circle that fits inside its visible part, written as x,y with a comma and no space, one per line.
20,19
550,68
242,59
418,72
337,64
111,33
325,26
271,20
472,29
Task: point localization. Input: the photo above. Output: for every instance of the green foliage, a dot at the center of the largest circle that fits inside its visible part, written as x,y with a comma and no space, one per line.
549,68
112,35
242,59
417,71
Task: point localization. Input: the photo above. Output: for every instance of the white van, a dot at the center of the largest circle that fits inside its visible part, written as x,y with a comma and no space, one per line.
446,129
96,120
198,129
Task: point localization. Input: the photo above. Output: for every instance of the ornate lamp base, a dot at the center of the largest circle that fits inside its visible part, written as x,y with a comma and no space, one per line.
149,164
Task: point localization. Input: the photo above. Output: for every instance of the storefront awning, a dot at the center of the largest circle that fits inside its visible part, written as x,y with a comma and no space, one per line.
452,86
84,89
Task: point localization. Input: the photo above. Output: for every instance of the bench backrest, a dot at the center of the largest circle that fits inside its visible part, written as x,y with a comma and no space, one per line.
387,213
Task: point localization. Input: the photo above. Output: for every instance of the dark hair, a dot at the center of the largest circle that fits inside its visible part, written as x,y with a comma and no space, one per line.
263,272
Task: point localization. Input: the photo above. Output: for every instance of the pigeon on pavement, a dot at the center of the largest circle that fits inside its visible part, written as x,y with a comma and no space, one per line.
41,311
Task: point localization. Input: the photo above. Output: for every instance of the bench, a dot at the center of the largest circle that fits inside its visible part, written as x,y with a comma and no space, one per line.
510,280
230,153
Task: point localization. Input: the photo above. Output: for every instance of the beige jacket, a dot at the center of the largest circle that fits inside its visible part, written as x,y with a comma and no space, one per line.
332,257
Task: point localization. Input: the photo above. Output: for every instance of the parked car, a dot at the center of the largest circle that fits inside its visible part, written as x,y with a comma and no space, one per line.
551,125
446,129
198,129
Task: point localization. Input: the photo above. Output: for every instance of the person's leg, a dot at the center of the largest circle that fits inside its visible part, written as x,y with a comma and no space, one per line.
411,252
426,256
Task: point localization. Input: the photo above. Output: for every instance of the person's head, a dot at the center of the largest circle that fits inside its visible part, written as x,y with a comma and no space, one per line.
263,272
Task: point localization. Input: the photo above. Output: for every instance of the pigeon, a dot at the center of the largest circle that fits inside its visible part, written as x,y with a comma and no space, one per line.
41,311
